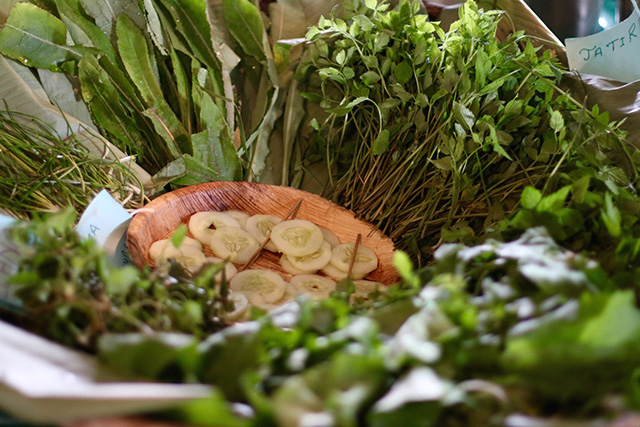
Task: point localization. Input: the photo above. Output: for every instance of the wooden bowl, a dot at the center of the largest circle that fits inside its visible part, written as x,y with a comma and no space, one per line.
162,216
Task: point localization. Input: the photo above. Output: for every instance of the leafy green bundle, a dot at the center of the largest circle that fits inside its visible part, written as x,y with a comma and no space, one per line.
487,332
148,72
433,135
42,172
71,292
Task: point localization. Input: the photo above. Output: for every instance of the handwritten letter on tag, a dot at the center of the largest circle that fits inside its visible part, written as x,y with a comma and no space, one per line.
613,53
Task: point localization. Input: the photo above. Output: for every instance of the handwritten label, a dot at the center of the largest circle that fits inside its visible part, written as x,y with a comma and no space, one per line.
612,53
106,221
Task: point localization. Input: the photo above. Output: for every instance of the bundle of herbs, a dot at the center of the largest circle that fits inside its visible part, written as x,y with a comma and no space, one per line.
148,73
488,335
71,292
434,135
44,173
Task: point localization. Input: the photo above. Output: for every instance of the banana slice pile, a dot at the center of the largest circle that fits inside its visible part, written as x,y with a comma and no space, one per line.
308,251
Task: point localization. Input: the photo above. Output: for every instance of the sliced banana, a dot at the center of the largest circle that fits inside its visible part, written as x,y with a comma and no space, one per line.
200,224
260,226
259,286
297,237
233,244
314,285
289,295
191,258
313,262
239,216
240,308
230,270
330,237
334,272
365,261
289,268
362,290
157,247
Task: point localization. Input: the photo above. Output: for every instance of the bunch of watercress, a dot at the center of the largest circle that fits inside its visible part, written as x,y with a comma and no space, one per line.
433,135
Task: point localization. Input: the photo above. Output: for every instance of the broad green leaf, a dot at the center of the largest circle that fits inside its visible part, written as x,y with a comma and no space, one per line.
557,121
293,115
343,110
258,141
381,144
36,38
403,72
154,27
169,127
121,82
611,216
104,102
179,234
371,4
184,90
135,54
463,115
106,12
218,152
530,197
190,19
245,25
84,32
554,201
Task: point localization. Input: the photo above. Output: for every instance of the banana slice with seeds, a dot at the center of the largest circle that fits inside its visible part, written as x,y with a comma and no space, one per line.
239,216
297,237
191,258
314,285
157,248
233,244
289,268
335,273
312,262
261,287
260,226
330,237
200,224
365,261
230,270
240,308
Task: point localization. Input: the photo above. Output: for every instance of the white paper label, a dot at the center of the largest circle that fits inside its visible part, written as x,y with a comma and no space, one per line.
613,53
106,221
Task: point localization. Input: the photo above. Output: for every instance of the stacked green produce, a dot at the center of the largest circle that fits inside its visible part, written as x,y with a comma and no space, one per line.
444,139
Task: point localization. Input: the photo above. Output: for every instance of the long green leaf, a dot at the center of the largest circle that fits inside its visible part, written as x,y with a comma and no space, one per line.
105,13
293,116
258,141
104,102
190,18
135,54
184,91
83,32
219,153
246,26
169,127
36,38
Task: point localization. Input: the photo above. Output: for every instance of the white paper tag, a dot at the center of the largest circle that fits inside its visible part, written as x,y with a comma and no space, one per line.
106,221
613,53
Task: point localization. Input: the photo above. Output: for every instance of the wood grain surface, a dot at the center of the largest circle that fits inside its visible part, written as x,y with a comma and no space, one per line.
162,216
